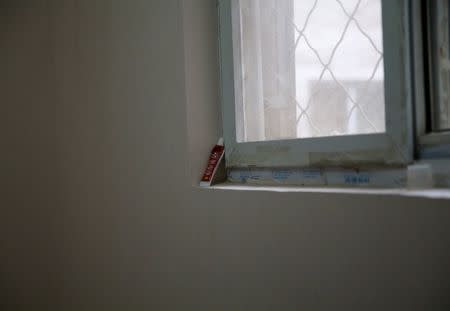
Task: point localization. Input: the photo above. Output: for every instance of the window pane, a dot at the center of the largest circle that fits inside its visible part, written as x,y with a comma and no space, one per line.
439,39
308,68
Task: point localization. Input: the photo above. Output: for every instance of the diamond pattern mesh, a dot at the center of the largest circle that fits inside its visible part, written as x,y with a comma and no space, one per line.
335,61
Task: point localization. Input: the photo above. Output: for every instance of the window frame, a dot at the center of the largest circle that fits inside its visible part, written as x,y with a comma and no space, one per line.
430,144
392,148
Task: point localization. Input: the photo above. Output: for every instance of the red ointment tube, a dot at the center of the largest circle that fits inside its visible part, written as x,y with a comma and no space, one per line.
215,158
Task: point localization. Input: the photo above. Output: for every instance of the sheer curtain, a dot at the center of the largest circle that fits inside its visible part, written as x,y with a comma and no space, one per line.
265,77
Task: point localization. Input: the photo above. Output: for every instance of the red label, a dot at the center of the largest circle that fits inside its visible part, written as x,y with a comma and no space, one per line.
214,158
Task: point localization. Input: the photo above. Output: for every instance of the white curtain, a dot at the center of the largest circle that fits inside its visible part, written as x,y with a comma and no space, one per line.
265,76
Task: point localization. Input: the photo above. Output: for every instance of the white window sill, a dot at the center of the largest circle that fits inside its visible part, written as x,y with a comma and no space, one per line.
401,192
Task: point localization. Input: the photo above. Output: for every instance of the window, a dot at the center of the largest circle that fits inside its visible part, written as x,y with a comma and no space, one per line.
308,69
439,64
432,77
325,83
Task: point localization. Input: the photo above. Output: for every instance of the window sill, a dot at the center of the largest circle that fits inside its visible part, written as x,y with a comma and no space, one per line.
399,192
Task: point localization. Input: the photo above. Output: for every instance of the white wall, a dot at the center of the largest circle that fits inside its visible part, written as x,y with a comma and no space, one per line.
106,127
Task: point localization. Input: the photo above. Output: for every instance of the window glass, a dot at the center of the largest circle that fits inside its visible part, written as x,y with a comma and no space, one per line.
308,68
440,64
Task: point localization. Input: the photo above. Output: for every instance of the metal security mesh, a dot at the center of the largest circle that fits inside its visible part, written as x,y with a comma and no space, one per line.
322,57
326,64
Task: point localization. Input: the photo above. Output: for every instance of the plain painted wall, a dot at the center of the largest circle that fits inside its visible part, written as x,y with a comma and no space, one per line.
109,109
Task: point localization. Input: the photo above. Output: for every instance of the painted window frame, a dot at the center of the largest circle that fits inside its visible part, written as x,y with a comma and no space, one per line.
430,144
392,148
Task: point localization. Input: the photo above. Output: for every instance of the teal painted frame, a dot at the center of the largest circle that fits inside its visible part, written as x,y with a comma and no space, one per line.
429,144
393,148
